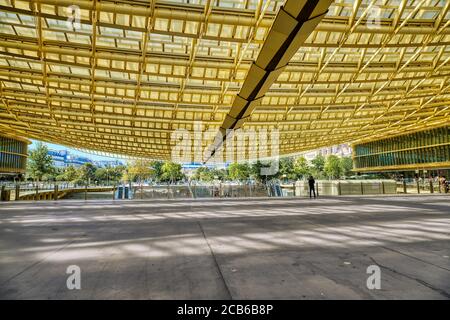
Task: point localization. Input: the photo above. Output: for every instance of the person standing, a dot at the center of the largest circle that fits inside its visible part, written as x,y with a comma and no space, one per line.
312,186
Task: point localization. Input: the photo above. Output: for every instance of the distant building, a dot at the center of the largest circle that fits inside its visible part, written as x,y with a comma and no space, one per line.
340,150
77,161
59,158
63,158
108,163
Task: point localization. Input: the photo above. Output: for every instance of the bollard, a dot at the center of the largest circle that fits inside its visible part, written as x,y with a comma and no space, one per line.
418,187
55,193
114,192
362,188
382,187
431,186
404,186
339,188
3,194
17,192
142,192
317,189
85,192
36,196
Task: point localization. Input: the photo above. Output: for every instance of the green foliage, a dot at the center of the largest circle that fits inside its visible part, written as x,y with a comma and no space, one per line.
157,169
109,175
208,174
333,168
286,168
318,163
140,170
255,171
239,171
258,168
302,168
347,166
204,174
221,174
171,171
70,174
86,173
40,164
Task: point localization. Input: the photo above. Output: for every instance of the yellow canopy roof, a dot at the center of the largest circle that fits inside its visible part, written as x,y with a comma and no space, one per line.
127,74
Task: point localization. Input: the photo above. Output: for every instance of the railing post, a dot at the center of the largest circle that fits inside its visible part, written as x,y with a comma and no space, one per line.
317,189
37,193
142,192
17,192
431,186
382,187
404,186
85,192
3,194
418,187
55,192
114,192
339,188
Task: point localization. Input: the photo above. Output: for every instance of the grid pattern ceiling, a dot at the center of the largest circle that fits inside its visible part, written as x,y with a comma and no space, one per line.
132,72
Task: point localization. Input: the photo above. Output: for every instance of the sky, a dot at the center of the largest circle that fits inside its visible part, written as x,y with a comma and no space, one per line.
72,151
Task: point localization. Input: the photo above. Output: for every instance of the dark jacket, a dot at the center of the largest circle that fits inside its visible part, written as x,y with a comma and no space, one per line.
311,182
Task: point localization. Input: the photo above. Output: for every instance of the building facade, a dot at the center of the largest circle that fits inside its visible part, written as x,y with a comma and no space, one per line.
422,150
340,150
63,158
13,155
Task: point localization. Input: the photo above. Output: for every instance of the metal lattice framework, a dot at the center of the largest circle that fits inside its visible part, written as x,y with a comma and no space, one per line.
131,72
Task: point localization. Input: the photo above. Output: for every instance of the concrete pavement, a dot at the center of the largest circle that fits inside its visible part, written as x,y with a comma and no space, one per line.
258,248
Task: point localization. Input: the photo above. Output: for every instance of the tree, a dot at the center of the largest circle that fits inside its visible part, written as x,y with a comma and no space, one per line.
109,174
86,173
318,163
204,174
70,174
255,171
302,168
40,163
239,171
140,170
157,169
55,175
220,174
333,168
286,168
171,171
347,165
258,168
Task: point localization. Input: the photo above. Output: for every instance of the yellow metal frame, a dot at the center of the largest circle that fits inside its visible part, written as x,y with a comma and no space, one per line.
138,70
407,167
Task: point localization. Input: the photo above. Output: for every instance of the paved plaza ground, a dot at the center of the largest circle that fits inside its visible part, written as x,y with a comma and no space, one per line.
256,248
